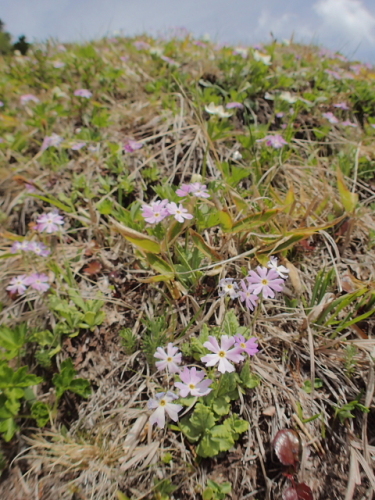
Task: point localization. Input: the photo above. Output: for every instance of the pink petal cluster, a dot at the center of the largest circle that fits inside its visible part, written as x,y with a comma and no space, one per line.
30,246
83,93
24,99
249,346
131,146
228,287
141,45
247,295
178,211
192,383
276,141
330,117
223,355
341,105
162,404
232,105
77,146
265,281
51,140
169,60
348,123
169,360
49,223
19,284
195,188
155,212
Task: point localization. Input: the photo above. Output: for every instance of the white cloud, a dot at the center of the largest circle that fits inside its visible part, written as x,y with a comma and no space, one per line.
348,18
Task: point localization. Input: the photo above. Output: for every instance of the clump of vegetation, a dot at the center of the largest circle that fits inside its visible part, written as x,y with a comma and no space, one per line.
187,265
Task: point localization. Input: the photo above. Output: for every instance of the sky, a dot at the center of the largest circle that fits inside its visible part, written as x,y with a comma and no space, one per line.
344,25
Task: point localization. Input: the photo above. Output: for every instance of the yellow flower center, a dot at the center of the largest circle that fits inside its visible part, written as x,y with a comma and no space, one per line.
229,286
191,386
222,354
163,402
169,360
264,282
243,345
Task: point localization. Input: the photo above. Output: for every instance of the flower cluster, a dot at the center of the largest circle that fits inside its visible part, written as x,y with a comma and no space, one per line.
193,381
195,188
156,211
30,246
37,281
264,281
83,93
334,120
276,141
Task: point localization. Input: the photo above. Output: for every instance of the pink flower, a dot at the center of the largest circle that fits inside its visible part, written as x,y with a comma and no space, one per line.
265,281
169,60
228,287
30,188
169,360
52,140
282,271
140,45
178,211
18,284
184,190
20,245
38,281
280,114
83,93
155,212
249,346
246,295
330,117
232,105
49,222
222,353
38,248
199,190
193,383
334,74
77,146
132,146
58,64
24,99
348,123
276,141
341,105
124,58
163,403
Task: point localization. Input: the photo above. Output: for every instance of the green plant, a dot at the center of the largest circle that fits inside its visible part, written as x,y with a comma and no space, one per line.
216,491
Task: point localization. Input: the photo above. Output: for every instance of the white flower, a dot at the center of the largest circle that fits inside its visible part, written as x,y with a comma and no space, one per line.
222,353
169,360
236,156
288,97
217,110
264,58
282,271
162,403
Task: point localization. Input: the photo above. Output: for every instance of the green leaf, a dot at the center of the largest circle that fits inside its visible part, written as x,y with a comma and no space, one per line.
226,220
248,379
230,323
12,340
143,241
348,199
201,420
160,265
203,247
254,220
41,413
54,201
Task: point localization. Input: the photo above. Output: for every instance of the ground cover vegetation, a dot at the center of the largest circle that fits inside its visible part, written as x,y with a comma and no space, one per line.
187,268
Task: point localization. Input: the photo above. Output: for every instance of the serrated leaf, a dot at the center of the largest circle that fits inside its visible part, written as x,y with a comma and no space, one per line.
348,199
143,241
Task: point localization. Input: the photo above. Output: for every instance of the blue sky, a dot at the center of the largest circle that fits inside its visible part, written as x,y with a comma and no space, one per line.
345,25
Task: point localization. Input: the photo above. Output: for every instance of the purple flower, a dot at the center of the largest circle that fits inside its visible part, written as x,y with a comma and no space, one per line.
193,383
247,295
20,245
178,211
169,60
222,353
49,222
77,146
169,360
232,105
184,190
30,188
280,114
330,117
228,287
24,99
51,140
277,141
131,146
140,45
163,403
265,281
124,58
348,123
282,271
38,248
249,346
155,212
18,284
38,282
196,188
341,105
334,74
83,93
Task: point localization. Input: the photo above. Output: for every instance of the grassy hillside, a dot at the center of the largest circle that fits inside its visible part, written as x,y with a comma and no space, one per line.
210,205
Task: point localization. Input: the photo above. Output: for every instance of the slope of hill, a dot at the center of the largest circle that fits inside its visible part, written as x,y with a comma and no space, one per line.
210,205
